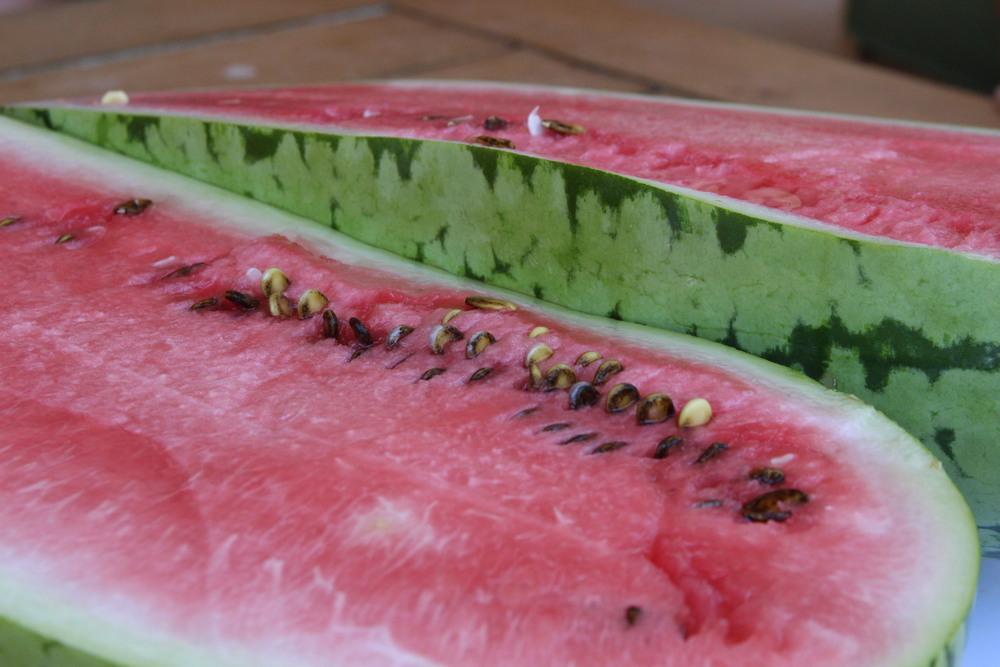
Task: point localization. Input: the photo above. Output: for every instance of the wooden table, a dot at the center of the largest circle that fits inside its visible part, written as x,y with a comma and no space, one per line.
89,47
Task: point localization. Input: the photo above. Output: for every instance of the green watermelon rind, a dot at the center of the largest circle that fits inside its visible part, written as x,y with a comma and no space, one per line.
40,621
900,325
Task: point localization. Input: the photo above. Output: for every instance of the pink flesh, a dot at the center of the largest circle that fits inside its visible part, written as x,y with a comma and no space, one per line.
237,481
929,186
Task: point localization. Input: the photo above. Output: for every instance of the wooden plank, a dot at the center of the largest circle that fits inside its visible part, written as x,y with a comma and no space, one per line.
71,30
708,61
527,66
370,48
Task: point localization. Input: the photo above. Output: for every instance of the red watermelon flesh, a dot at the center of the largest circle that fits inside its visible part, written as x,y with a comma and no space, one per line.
223,487
909,182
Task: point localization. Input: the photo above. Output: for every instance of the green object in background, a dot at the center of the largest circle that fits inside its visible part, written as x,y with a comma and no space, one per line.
956,41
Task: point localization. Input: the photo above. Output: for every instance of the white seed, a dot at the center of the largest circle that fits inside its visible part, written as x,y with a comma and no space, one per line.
696,412
450,315
274,281
114,97
538,331
537,354
587,358
782,460
279,305
311,302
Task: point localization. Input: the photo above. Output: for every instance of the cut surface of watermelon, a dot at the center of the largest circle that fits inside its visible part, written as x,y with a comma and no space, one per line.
196,483
855,251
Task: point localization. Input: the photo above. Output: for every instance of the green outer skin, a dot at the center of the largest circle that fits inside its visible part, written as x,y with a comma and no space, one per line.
901,326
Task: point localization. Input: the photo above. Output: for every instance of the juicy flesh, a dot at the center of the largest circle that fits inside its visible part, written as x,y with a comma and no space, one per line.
234,480
934,187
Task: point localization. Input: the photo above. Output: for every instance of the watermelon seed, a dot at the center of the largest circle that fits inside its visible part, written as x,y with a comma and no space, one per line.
538,331
185,271
773,505
535,378
525,412
606,370
442,335
397,335
561,128
64,238
587,358
621,397
768,476
211,303
666,445
431,373
241,300
537,354
579,437
331,325
489,303
452,122
9,220
450,315
654,409
480,374
711,452
274,281
493,142
400,362
132,207
361,333
708,503
558,426
494,123
632,614
696,412
478,342
311,302
559,376
583,394
606,447
279,305
357,352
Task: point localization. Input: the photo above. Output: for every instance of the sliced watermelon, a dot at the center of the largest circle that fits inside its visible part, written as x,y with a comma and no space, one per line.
189,480
856,251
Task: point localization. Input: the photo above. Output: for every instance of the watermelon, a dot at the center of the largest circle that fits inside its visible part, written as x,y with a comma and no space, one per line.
235,437
856,251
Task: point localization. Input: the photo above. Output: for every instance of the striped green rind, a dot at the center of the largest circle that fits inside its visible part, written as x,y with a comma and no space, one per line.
20,647
904,327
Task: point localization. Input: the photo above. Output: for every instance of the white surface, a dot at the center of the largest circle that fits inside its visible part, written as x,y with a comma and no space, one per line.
983,647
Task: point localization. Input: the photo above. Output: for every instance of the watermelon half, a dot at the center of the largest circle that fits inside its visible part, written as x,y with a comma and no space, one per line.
861,252
407,475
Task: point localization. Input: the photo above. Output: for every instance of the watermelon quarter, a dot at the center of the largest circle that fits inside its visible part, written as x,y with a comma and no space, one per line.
232,437
860,252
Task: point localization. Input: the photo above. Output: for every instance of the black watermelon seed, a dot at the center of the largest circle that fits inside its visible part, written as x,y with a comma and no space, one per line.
606,447
666,445
711,452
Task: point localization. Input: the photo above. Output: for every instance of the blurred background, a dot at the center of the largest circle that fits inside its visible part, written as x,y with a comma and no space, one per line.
936,60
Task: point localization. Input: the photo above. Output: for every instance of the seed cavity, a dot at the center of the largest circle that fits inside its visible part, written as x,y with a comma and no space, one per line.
582,395
211,303
9,220
538,331
621,397
443,335
133,207
185,271
527,411
606,447
579,437
607,368
241,299
331,325
559,376
489,303
632,614
311,302
431,373
773,505
703,504
667,445
654,409
279,305
768,476
480,374
696,412
493,142
537,354
450,315
397,335
560,127
361,333
558,426
400,362
478,342
711,452
64,238
356,352
587,358
494,123
274,281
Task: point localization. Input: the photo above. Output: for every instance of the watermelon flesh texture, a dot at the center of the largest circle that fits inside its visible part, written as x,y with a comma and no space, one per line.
841,295
222,487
